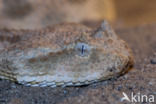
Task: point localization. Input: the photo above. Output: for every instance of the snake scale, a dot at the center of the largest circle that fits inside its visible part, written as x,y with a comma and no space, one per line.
66,54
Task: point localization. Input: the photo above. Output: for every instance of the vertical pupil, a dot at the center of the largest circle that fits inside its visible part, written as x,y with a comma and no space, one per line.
82,49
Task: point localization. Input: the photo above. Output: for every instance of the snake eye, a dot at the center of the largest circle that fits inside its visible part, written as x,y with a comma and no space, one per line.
82,49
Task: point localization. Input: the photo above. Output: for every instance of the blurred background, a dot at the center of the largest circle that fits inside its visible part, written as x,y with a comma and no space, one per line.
35,14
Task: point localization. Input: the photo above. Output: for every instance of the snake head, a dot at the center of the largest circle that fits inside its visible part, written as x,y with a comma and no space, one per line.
67,54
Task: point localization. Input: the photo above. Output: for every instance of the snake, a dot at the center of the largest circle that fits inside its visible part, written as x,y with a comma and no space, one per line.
66,54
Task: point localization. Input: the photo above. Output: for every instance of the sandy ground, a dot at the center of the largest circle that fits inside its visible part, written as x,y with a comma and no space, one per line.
142,78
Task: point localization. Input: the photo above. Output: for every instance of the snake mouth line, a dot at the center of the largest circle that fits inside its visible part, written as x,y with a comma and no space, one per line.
8,76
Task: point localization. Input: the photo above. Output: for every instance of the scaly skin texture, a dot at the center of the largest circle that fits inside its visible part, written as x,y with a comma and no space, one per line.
67,54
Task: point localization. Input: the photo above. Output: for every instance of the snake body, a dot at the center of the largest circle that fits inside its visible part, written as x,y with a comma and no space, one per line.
67,54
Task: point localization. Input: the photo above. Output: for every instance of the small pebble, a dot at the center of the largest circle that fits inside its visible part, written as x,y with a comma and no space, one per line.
13,86
65,92
153,61
119,88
